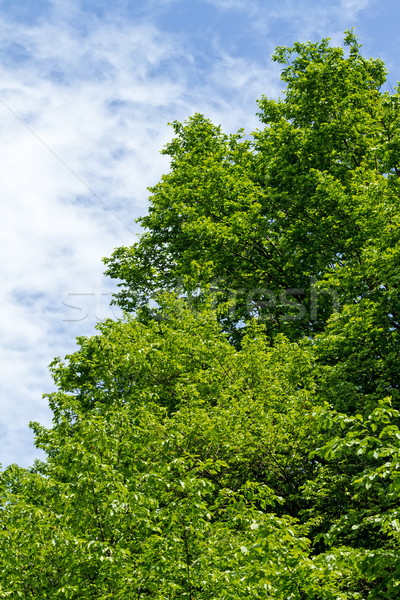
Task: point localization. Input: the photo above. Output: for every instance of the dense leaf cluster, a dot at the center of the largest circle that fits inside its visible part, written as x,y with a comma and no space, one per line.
238,433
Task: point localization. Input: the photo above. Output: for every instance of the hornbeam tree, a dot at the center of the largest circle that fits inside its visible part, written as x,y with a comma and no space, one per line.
298,220
237,434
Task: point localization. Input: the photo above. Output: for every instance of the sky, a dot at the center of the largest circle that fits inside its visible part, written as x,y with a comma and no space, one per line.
87,89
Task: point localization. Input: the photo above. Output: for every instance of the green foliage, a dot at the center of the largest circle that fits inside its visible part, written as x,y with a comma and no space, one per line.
239,435
272,211
360,469
173,471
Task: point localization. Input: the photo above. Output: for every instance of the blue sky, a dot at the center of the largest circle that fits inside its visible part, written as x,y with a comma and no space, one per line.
86,91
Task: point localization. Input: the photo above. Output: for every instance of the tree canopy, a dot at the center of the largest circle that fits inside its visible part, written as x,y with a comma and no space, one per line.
237,434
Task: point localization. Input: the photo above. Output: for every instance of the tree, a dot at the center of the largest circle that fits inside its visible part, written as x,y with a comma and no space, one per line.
173,470
239,435
299,219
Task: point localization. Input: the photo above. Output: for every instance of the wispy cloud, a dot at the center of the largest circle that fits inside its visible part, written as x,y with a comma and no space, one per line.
95,103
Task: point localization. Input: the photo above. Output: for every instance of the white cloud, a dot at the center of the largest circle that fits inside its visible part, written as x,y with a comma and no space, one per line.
51,243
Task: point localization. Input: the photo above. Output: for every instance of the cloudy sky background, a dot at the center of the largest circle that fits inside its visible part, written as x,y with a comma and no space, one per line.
87,88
